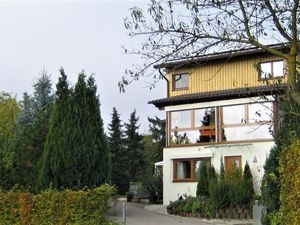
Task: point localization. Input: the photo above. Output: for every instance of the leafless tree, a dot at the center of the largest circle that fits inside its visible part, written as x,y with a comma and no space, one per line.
185,29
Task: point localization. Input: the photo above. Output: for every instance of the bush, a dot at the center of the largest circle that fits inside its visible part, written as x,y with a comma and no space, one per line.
207,173
88,206
129,196
218,192
154,186
202,186
289,165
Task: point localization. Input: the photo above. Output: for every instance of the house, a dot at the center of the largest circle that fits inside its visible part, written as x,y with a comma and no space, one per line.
219,107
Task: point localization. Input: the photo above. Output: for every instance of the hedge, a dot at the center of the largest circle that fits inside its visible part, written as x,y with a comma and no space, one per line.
88,206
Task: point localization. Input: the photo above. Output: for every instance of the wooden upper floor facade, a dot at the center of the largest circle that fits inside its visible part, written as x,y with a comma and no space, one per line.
215,99
223,71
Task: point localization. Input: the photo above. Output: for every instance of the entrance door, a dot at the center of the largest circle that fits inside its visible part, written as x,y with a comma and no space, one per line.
230,161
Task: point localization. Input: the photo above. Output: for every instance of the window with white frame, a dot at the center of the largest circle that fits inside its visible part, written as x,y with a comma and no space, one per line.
273,69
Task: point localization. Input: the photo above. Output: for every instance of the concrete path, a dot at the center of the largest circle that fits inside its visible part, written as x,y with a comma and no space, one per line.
137,215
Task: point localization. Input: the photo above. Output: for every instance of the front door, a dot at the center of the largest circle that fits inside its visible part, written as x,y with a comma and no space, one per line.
230,161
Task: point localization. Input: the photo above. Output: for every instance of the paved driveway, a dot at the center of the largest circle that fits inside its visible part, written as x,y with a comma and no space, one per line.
137,215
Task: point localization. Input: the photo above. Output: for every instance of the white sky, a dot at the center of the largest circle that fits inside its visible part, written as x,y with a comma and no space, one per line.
78,35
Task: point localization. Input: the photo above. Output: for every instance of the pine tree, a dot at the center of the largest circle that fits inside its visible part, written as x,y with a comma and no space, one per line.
120,176
76,153
56,142
33,129
157,128
203,181
134,148
248,190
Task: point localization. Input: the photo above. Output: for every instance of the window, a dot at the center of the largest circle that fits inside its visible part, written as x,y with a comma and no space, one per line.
232,123
272,69
180,81
231,161
182,119
193,126
188,169
247,122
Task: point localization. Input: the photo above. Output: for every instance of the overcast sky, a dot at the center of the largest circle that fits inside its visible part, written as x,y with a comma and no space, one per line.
81,35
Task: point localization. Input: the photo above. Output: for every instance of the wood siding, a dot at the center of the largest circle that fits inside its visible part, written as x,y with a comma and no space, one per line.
237,73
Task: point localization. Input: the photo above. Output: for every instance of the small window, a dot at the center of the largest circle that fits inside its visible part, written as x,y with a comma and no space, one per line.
271,70
188,169
181,81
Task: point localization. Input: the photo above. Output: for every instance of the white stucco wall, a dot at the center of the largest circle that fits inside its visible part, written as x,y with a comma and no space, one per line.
172,190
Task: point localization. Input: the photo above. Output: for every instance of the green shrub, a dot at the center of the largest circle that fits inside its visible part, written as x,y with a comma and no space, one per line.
197,206
218,192
88,206
233,175
129,196
154,186
289,165
202,186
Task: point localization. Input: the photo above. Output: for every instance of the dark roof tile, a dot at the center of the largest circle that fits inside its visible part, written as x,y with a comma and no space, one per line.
219,95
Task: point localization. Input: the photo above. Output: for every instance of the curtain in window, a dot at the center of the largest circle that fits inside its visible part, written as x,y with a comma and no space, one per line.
181,170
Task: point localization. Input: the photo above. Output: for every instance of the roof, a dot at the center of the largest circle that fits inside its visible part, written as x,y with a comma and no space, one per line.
218,56
220,95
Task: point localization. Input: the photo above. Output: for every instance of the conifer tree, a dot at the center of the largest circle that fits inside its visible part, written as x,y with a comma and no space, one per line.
56,142
76,153
248,183
158,134
203,181
119,173
134,148
33,129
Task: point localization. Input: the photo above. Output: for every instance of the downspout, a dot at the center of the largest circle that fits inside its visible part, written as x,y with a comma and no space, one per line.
165,78
167,117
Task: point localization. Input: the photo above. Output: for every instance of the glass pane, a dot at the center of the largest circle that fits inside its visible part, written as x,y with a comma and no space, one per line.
247,133
184,137
260,112
183,169
181,119
198,163
278,69
205,117
234,114
266,70
181,81
193,136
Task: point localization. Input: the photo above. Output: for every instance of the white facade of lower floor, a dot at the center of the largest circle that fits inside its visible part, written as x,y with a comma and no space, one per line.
254,153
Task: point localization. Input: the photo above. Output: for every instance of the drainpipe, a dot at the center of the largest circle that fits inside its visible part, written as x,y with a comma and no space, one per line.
168,94
165,78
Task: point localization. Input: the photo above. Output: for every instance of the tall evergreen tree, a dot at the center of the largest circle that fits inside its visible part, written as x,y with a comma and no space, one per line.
119,173
33,129
56,142
134,148
157,128
76,153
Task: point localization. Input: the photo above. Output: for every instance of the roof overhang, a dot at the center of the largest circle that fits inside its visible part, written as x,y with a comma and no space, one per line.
213,57
220,95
